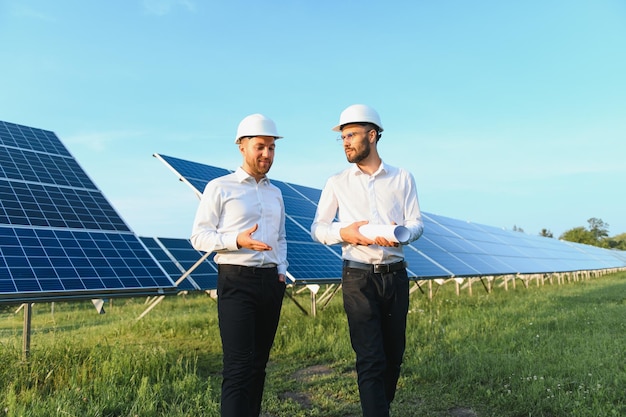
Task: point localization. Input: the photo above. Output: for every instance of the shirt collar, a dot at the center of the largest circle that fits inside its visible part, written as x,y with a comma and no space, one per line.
382,168
242,176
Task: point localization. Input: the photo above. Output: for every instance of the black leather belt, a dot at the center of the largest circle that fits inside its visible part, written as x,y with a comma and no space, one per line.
254,269
376,268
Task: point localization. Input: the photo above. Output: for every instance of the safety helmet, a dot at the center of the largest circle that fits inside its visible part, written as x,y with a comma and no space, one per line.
256,125
359,113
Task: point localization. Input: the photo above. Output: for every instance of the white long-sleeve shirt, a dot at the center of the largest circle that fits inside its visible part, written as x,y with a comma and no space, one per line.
232,204
386,197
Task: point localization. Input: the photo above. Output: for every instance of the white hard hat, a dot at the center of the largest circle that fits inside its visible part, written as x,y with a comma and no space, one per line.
256,125
359,113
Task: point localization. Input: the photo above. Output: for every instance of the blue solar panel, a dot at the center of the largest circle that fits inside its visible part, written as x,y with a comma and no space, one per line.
421,265
448,247
25,165
169,264
314,263
442,257
29,138
596,258
195,174
534,253
462,243
298,207
60,239
35,204
204,276
312,194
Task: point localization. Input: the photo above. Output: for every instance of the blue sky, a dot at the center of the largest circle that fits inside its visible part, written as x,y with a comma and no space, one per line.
507,113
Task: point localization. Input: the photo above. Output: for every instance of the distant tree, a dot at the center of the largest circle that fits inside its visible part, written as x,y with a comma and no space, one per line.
546,233
579,235
596,235
599,229
517,229
617,242
614,244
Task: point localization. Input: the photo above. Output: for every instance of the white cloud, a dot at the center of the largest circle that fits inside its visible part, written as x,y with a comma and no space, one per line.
163,7
29,13
100,141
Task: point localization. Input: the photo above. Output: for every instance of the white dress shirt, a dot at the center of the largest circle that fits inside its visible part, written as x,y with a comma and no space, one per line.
386,197
233,203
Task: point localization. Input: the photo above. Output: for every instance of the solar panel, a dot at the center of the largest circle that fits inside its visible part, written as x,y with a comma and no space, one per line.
174,269
597,258
196,175
60,239
441,257
473,245
204,276
422,265
448,247
539,254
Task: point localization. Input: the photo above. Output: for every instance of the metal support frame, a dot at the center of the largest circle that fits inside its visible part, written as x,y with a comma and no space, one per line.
160,298
28,310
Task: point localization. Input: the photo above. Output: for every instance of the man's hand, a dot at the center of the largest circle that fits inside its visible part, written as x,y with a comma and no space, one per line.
381,241
351,234
244,240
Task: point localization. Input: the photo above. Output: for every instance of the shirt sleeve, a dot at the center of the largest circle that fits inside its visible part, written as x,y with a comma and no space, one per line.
412,215
204,234
283,264
324,229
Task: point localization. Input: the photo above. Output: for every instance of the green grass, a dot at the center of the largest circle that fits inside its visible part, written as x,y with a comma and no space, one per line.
553,351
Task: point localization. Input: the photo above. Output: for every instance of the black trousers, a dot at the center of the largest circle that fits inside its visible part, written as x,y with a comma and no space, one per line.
249,303
376,306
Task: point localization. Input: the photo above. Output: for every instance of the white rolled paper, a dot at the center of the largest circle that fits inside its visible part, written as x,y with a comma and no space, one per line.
391,232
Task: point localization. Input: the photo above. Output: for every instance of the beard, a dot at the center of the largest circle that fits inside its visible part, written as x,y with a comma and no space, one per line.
360,155
257,167
263,167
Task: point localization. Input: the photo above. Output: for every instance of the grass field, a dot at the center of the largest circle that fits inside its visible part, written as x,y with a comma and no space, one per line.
553,351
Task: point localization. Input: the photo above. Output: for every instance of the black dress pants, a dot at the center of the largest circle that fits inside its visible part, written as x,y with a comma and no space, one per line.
376,306
249,304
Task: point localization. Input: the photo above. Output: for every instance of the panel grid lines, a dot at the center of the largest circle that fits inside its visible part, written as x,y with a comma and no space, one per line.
25,137
25,165
60,238
49,205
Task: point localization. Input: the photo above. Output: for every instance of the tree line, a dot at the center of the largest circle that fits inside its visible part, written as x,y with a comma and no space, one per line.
595,234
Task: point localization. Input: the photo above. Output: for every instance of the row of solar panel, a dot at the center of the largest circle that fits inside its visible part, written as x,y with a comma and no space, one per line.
448,247
61,239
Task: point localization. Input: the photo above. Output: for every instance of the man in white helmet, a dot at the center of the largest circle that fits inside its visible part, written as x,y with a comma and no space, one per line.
241,217
374,279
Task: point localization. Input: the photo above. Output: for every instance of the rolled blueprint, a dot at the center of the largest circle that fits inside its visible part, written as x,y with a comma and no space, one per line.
391,232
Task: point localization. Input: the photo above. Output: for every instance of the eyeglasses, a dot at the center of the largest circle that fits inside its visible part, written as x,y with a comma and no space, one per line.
351,135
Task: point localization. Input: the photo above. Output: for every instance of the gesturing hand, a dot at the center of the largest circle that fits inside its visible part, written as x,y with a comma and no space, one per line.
245,240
